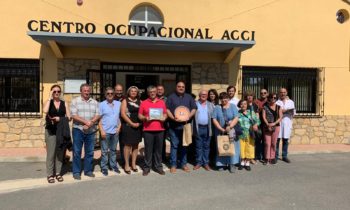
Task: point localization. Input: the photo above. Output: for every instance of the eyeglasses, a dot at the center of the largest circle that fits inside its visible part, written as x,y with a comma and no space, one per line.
109,93
273,98
56,91
263,93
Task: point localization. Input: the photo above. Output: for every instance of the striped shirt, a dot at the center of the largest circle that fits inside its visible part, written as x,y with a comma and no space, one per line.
86,110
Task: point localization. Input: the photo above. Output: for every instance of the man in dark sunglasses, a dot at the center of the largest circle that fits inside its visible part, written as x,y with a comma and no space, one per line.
109,126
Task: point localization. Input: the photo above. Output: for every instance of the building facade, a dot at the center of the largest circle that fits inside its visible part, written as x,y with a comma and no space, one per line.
301,45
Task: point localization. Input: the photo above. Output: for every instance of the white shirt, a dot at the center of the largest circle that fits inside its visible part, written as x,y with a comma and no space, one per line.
234,101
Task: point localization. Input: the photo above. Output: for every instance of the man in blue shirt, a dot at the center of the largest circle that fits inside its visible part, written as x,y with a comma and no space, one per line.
202,130
109,127
176,99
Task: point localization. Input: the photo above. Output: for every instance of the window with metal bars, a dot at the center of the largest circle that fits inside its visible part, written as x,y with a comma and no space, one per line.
301,84
19,86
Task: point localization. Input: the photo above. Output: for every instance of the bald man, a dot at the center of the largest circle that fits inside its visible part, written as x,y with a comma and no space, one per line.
288,110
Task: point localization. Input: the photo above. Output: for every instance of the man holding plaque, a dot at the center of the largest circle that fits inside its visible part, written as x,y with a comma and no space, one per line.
181,108
153,113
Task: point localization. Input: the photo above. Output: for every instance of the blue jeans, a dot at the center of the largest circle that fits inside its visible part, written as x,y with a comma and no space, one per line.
176,144
202,146
284,148
110,142
80,139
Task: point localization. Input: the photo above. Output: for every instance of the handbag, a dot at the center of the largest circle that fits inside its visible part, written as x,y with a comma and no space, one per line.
238,129
225,146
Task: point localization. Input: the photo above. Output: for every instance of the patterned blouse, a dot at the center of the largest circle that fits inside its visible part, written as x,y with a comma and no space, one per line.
246,121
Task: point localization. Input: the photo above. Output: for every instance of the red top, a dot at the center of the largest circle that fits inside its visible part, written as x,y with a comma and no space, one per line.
154,125
260,104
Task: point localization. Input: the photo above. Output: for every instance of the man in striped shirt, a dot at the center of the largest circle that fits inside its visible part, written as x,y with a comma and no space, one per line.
85,114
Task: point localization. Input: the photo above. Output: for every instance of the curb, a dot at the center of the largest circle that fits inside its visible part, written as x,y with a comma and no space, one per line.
34,159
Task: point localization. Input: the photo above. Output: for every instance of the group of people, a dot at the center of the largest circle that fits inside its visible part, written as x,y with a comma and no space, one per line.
263,123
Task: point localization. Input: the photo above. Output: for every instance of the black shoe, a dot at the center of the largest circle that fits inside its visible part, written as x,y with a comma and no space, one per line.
273,161
286,160
240,167
231,168
161,172
145,173
76,177
116,170
91,175
247,168
105,172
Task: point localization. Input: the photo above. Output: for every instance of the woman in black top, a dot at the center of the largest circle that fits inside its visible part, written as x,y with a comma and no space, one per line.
55,109
272,116
131,134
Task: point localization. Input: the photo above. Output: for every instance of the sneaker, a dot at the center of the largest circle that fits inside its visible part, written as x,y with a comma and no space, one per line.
76,177
105,172
116,170
91,175
286,160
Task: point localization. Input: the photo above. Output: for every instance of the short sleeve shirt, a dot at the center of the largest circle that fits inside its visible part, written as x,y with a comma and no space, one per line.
146,105
174,100
110,114
86,110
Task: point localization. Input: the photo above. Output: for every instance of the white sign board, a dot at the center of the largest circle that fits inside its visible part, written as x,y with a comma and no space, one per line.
73,85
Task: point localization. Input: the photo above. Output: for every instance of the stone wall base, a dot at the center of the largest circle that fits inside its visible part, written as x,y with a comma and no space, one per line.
29,133
324,130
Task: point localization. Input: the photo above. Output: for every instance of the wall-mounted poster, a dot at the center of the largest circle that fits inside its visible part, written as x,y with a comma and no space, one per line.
73,85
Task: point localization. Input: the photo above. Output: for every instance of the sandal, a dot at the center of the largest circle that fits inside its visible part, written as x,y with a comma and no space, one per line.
59,178
51,179
134,169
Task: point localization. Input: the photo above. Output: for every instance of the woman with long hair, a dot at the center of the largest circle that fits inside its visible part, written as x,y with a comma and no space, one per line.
272,116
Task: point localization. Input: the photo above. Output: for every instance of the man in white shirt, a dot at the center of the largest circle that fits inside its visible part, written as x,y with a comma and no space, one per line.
231,91
288,109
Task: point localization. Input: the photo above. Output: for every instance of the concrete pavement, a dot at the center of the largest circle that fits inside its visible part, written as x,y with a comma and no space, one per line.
24,168
39,154
312,181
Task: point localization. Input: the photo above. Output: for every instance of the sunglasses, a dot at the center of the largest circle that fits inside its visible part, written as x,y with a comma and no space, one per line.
58,91
263,93
273,98
109,93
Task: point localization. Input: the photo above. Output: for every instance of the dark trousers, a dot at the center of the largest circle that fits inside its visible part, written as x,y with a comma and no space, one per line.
284,148
153,149
259,146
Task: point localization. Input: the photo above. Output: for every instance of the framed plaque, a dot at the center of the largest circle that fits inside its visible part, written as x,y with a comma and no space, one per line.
182,113
155,113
